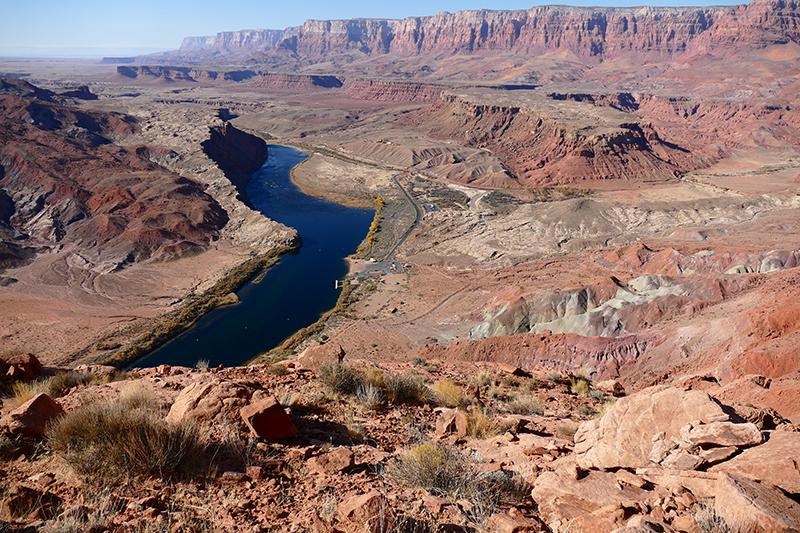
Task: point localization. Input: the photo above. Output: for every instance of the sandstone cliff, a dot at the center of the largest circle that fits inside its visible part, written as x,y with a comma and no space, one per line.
233,40
591,33
162,74
67,184
296,82
542,142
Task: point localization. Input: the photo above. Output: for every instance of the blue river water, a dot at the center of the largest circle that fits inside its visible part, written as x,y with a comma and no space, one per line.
294,293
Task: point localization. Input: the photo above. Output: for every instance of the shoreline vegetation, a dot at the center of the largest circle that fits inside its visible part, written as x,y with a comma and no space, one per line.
172,324
168,326
345,300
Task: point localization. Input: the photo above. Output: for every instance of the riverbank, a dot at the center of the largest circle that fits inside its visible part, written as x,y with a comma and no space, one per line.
284,301
347,183
169,326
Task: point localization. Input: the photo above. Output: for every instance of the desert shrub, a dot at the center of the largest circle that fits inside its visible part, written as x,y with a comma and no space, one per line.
448,394
708,521
278,370
579,385
482,425
291,399
606,407
595,394
443,471
370,396
484,378
568,430
408,387
53,386
340,378
356,431
509,381
136,396
8,445
115,440
525,405
373,376
496,392
554,377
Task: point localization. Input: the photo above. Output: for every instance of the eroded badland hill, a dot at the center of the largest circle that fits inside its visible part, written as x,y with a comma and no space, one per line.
592,324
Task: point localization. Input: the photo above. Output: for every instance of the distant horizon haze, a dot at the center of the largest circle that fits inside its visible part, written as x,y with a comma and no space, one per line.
102,28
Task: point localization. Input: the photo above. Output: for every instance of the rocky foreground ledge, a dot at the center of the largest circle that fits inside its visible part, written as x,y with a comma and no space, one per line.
316,445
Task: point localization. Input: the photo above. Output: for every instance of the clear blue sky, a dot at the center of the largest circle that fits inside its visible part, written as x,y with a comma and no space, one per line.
162,24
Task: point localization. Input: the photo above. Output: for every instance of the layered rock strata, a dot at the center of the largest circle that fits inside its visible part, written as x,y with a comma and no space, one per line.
545,142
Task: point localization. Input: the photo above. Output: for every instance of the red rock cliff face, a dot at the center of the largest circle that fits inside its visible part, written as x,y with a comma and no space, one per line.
63,183
236,40
320,37
589,32
296,82
544,143
394,91
711,125
759,24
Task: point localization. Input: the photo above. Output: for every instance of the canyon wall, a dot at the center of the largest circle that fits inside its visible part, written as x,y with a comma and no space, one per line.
544,142
394,91
588,32
164,74
234,40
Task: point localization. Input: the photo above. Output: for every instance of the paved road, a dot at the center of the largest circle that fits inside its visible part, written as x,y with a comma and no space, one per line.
389,265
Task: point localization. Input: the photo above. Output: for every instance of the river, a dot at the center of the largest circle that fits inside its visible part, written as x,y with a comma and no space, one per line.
294,293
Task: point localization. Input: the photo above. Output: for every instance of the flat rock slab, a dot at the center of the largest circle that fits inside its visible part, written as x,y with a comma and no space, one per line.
209,401
754,507
623,438
31,418
725,434
336,461
561,497
369,512
268,420
775,462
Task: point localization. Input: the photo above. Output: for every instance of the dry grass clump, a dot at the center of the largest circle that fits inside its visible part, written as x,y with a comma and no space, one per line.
443,471
340,378
407,388
482,425
117,439
708,521
371,385
568,430
448,394
525,405
580,385
484,378
278,370
53,386
370,396
374,376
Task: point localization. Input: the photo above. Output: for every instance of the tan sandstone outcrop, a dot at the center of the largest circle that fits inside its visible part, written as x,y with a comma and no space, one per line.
31,418
623,438
775,462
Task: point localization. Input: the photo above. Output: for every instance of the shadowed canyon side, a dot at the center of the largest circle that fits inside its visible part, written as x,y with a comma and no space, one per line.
543,142
99,209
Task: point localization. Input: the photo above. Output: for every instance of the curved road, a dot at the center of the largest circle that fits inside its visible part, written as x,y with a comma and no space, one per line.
385,266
